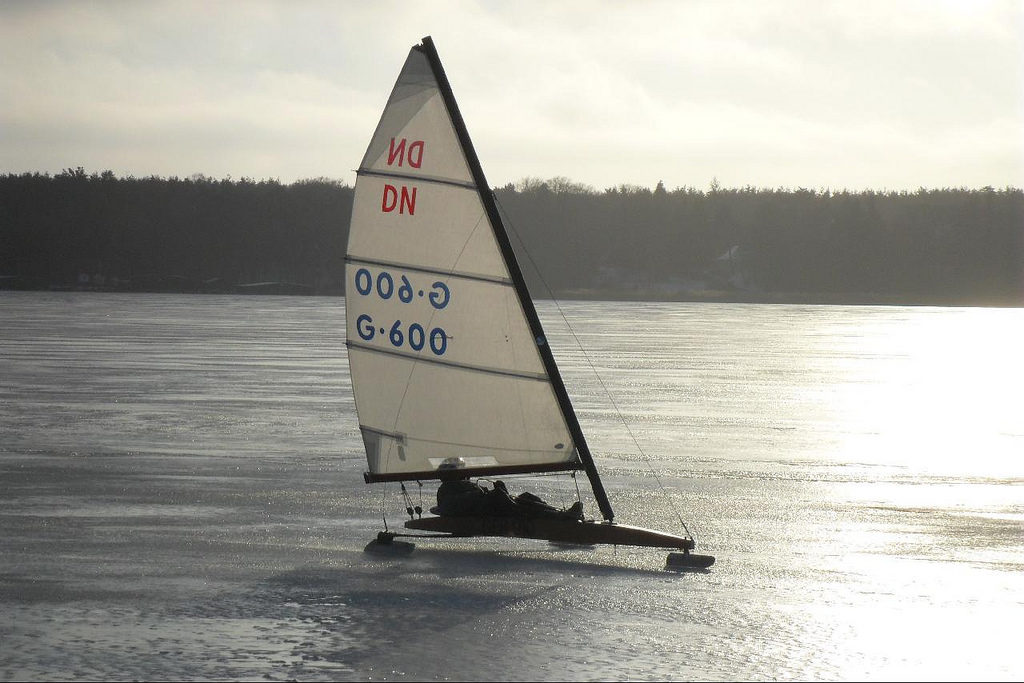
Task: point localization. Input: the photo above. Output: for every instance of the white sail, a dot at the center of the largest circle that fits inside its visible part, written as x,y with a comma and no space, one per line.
443,361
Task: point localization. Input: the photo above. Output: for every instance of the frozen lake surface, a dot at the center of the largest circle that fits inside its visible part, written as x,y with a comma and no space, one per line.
181,497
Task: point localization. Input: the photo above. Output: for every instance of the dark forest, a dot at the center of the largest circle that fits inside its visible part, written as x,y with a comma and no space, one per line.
95,231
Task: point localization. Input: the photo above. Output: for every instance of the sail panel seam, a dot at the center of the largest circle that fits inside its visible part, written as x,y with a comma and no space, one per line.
430,271
466,185
537,377
374,477
571,453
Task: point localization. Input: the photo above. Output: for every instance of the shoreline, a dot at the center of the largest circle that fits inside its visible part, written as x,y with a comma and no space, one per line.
643,295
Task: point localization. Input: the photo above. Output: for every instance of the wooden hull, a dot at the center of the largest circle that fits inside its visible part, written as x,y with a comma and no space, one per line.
554,530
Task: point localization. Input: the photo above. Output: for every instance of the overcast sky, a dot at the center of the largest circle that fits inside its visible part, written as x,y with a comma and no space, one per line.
858,94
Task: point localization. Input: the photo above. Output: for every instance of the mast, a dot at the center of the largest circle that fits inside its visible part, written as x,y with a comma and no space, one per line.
505,245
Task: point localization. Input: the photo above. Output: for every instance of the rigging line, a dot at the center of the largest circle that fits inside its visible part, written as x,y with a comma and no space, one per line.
409,509
511,227
383,512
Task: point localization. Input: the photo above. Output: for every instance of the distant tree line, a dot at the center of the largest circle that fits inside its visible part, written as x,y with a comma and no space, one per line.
97,231
79,230
955,246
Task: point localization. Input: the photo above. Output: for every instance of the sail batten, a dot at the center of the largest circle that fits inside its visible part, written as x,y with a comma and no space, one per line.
417,178
462,367
572,466
431,271
406,438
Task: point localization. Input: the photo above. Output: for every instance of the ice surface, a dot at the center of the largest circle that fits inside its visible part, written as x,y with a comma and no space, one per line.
181,498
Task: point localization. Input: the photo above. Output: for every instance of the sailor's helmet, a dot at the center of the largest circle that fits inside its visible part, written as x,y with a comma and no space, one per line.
452,464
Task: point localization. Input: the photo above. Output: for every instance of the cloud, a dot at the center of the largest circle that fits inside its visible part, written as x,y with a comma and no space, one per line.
785,93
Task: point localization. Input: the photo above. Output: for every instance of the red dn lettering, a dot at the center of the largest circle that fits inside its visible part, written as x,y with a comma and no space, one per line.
400,198
413,154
